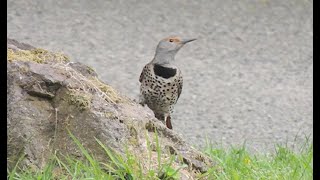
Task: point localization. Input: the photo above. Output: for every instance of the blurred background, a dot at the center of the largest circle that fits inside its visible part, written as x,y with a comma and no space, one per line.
248,77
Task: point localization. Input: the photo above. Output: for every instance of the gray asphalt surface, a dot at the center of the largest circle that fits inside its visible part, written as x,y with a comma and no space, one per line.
248,77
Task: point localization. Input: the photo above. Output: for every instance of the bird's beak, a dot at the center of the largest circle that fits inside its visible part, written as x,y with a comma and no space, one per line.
185,41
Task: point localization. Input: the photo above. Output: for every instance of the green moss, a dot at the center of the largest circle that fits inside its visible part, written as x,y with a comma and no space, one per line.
112,94
133,135
109,115
90,69
36,55
81,100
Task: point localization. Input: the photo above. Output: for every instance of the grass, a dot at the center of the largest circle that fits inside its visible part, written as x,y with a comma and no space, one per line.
238,163
233,163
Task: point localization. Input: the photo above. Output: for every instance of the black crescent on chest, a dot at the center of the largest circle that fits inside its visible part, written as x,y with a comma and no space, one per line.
164,72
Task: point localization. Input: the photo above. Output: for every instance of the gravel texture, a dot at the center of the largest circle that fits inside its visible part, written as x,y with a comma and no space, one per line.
248,77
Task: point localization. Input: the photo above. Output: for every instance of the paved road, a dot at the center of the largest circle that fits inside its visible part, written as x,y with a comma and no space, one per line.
247,77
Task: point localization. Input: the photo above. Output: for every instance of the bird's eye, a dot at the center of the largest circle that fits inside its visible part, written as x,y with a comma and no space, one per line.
170,40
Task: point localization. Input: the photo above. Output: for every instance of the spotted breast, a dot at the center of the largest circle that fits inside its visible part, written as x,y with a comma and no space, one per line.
160,87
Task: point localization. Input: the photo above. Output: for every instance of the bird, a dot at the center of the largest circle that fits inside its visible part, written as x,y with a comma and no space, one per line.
161,80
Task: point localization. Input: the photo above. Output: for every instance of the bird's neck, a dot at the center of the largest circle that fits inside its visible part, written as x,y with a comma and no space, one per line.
164,58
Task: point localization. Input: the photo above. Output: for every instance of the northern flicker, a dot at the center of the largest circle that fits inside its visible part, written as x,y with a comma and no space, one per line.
161,81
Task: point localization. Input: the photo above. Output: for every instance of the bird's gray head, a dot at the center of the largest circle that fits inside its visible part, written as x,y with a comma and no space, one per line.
168,48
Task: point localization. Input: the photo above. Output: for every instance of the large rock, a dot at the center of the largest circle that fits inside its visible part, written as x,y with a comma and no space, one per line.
47,95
